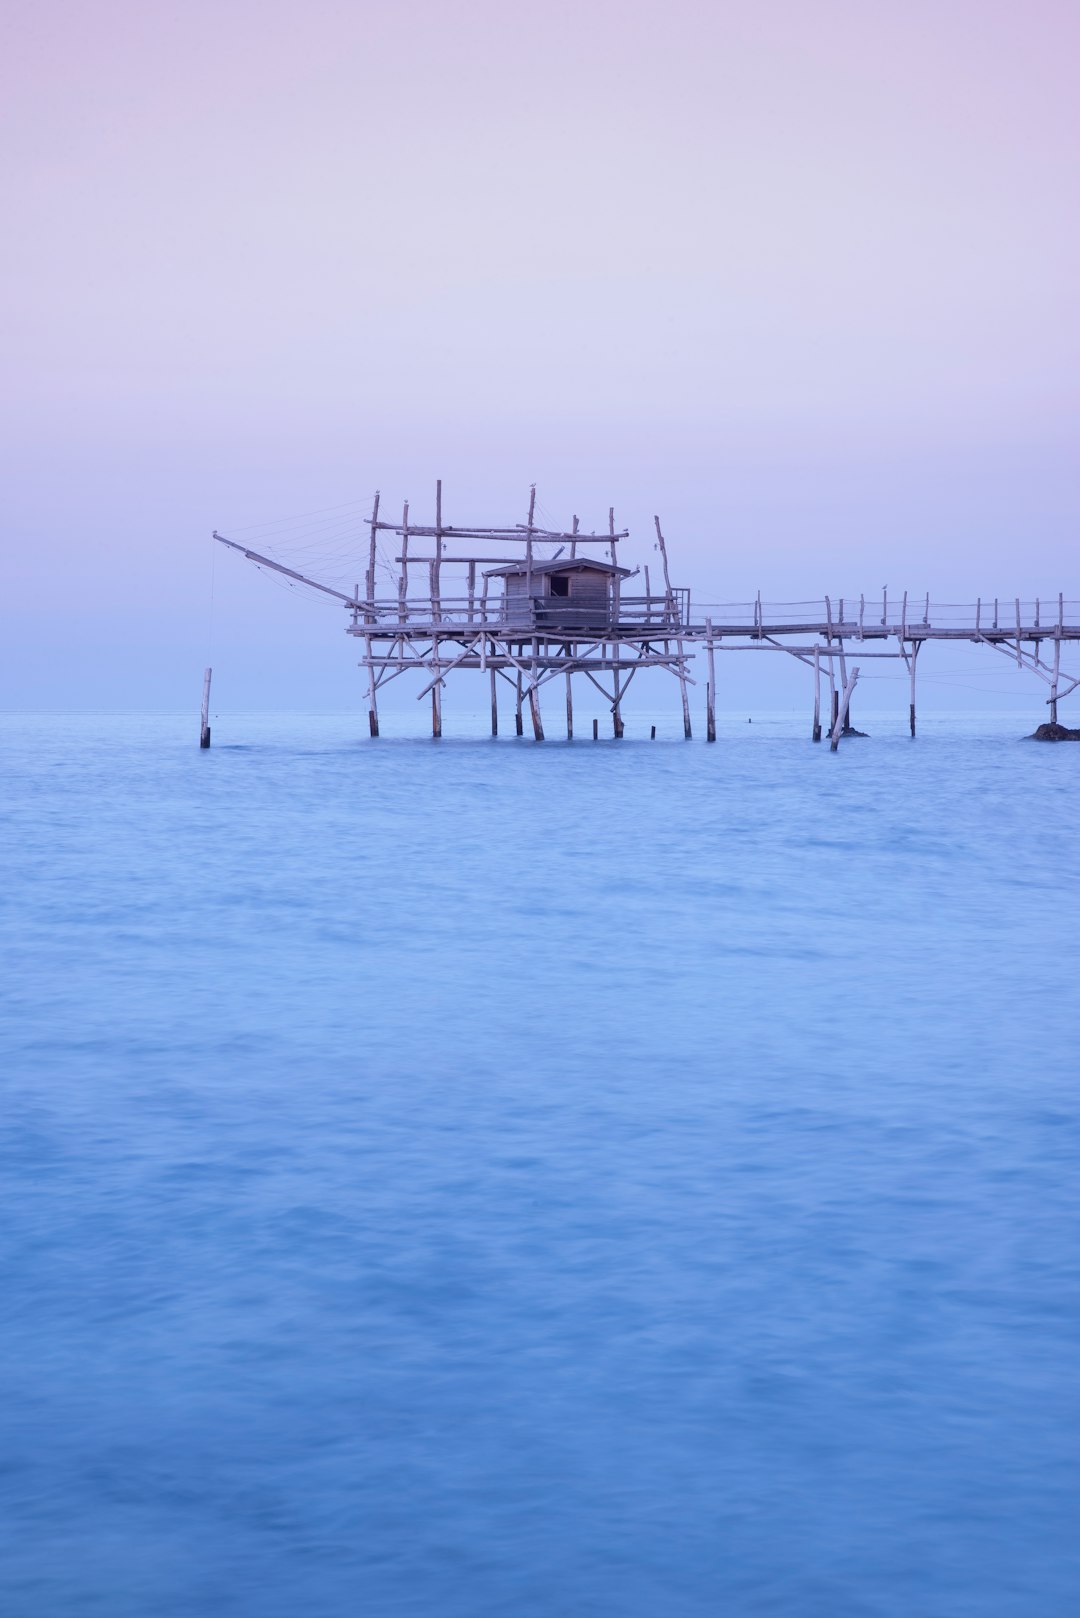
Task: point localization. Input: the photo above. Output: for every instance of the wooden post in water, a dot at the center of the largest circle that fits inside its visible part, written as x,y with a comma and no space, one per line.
596,730
569,711
534,692
834,706
710,690
617,727
518,723
915,646
494,705
816,733
672,612
373,706
1053,683
204,727
369,618
842,712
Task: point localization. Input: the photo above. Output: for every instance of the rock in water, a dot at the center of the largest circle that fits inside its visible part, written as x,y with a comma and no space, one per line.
1055,733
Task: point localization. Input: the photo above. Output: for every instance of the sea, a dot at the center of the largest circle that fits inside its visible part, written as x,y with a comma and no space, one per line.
474,1178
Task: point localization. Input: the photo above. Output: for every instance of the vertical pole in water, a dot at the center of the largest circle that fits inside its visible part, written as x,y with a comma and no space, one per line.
204,728
915,645
834,706
1053,687
373,706
710,698
841,718
616,711
519,727
369,617
596,730
534,692
816,733
569,712
494,705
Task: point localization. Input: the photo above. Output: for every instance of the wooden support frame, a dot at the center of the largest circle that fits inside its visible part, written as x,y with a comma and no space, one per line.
456,625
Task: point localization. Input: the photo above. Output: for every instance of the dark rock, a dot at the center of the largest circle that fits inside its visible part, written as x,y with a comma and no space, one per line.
1055,733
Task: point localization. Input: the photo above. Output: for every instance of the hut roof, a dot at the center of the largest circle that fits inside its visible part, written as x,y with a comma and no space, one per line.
568,564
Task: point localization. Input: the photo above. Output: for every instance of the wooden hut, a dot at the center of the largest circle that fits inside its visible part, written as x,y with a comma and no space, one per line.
567,593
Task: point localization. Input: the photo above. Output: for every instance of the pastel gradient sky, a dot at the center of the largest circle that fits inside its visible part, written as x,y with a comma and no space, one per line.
800,276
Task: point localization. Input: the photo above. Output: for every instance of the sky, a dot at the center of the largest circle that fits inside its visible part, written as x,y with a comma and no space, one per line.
800,277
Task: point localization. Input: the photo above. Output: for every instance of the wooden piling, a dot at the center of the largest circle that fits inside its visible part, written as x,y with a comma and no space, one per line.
596,730
494,705
373,705
710,689
569,711
911,705
816,732
204,726
518,723
1054,681
840,722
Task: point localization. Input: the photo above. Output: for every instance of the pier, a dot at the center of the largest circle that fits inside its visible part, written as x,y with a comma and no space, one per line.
531,606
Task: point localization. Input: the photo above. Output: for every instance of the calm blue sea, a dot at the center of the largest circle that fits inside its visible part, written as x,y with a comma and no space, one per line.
477,1178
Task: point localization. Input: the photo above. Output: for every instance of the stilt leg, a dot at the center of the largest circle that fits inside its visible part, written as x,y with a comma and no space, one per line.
204,727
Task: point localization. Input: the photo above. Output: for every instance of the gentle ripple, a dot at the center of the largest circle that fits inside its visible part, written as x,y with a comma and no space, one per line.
476,1178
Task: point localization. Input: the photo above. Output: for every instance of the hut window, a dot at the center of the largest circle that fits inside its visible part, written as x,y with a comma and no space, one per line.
560,584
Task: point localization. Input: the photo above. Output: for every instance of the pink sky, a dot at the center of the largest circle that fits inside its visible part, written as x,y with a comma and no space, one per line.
800,276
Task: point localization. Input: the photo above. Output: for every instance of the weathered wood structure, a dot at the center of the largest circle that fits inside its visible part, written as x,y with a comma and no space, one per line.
529,605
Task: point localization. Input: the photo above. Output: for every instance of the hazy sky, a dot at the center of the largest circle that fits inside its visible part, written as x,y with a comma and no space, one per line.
800,276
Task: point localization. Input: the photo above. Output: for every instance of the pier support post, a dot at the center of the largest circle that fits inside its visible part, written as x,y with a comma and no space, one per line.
494,706
436,693
816,733
1053,683
840,723
569,711
915,645
534,710
616,706
204,726
373,706
518,724
710,689
596,730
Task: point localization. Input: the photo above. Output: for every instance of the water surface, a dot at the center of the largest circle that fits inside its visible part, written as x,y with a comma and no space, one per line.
477,1178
